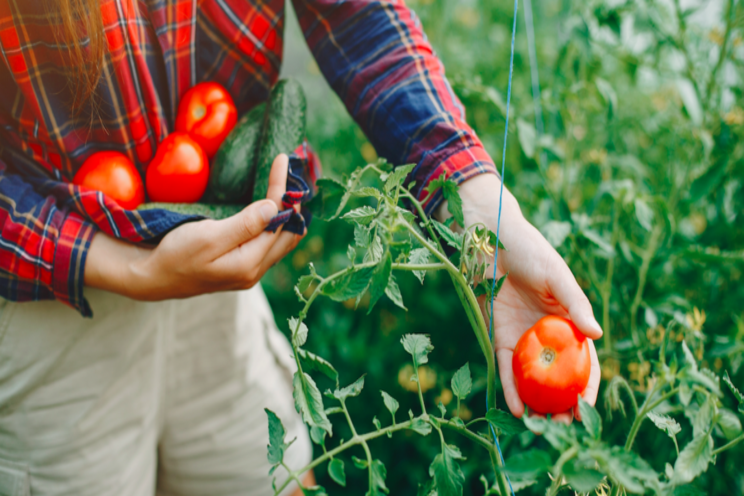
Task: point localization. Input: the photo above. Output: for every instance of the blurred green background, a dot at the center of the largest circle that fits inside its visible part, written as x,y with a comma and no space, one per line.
638,182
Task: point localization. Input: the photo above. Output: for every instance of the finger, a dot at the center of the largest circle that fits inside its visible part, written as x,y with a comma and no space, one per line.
244,263
513,401
563,286
244,226
563,418
286,243
278,179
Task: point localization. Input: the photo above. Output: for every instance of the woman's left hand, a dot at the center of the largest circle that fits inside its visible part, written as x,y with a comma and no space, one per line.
539,283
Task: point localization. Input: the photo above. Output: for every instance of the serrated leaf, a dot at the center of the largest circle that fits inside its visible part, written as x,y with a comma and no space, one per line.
276,445
304,282
528,465
693,460
629,469
318,435
581,479
367,191
590,418
330,199
702,417
560,436
309,402
299,333
396,177
419,256
739,397
665,423
390,403
418,346
336,471
729,423
449,237
359,463
349,285
505,422
349,391
362,215
447,473
378,474
454,202
312,362
362,236
374,253
350,253
380,280
393,292
462,382
420,426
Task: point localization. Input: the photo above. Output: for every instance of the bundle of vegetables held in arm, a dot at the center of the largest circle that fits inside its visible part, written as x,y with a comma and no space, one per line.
240,170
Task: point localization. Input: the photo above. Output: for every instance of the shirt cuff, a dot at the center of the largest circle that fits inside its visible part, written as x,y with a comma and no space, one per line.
68,272
459,167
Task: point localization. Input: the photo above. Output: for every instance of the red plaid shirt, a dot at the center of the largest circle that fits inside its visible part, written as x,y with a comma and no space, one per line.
373,53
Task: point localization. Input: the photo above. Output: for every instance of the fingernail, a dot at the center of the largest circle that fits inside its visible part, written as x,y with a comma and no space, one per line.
267,211
597,327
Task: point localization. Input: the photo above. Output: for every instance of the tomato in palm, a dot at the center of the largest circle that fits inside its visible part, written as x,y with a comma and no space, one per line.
114,175
179,171
551,365
208,114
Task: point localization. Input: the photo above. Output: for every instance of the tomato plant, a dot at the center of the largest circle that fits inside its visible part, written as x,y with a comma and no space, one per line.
179,172
207,113
551,364
113,174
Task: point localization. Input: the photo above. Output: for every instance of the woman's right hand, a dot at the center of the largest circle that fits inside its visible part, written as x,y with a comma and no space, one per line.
197,257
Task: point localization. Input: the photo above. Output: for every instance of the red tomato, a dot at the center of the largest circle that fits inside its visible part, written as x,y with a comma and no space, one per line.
551,365
179,171
208,114
114,175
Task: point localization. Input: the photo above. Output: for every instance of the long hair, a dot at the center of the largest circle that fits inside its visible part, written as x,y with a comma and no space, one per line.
81,30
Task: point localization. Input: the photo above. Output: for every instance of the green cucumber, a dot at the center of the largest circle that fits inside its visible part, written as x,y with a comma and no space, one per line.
213,211
233,168
283,131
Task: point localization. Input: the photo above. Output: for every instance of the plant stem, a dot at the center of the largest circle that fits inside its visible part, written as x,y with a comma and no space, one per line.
728,445
648,255
645,408
607,288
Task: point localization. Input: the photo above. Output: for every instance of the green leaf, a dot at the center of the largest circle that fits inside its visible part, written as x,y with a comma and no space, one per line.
349,391
362,215
299,334
504,422
609,96
560,436
528,465
420,426
380,280
427,489
367,191
702,417
689,357
330,199
312,362
350,285
590,418
276,445
739,397
336,471
375,251
393,292
359,463
390,403
446,472
314,491
449,237
318,435
418,346
693,460
362,236
396,177
629,469
598,240
527,137
581,479
644,214
350,253
378,474
462,382
420,256
309,402
665,423
377,423
454,202
304,282
729,422
556,232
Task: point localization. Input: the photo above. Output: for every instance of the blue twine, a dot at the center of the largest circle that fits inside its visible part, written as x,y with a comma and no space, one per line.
498,222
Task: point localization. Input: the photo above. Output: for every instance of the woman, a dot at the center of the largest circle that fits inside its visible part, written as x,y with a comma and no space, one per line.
144,360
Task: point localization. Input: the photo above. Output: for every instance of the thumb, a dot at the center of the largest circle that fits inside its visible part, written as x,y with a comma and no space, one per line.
246,224
567,291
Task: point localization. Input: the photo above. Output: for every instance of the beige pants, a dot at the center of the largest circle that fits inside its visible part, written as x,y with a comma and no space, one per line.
163,397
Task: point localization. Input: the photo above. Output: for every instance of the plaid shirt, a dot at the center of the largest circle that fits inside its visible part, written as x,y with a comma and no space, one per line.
373,53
